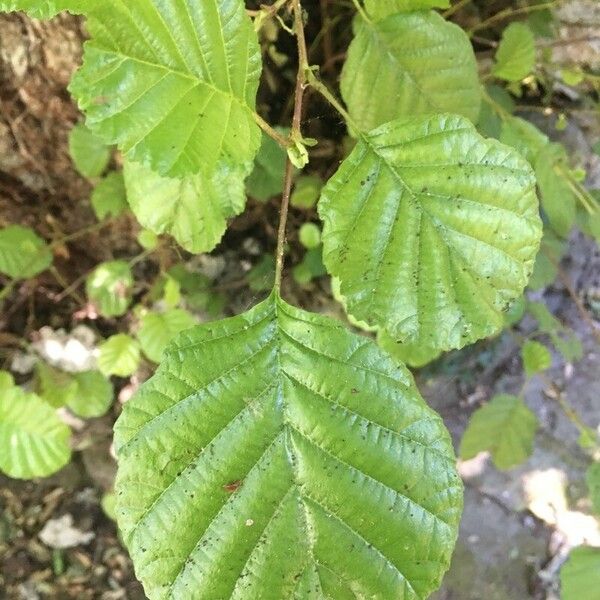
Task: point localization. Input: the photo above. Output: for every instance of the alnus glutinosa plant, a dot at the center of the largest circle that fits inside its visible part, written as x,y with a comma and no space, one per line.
276,454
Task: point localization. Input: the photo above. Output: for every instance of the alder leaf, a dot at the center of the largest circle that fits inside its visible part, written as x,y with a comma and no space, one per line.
505,427
193,209
580,575
379,9
536,357
33,440
23,253
158,329
109,287
425,65
266,179
432,230
276,430
119,355
515,57
174,83
414,355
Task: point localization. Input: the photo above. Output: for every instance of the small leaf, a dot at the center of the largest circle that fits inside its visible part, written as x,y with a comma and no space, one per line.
580,575
173,84
266,180
505,427
94,395
147,239
515,57
310,235
568,344
547,322
558,200
108,504
425,65
158,329
551,252
6,380
109,287
379,9
306,191
23,253
56,387
193,209
119,355
592,478
33,441
280,429
89,153
536,357
432,230
108,197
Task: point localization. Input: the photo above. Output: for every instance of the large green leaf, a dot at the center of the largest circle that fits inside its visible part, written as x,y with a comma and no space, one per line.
580,575
432,230
378,9
409,64
43,9
33,441
172,83
278,455
193,209
22,252
505,427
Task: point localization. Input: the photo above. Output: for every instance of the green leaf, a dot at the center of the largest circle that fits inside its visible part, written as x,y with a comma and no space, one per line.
592,478
432,230
547,322
414,355
310,235
379,9
33,441
306,191
108,504
580,575
148,240
505,427
551,251
89,153
524,137
276,430
23,253
158,329
119,355
420,63
94,395
536,357
193,209
558,201
56,387
109,287
515,57
42,9
108,197
266,180
568,344
173,84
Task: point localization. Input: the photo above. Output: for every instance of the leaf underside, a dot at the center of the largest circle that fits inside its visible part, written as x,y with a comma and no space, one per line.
178,99
277,455
432,230
424,64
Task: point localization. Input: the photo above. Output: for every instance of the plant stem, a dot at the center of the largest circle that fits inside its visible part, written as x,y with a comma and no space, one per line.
295,134
453,9
511,12
361,11
283,141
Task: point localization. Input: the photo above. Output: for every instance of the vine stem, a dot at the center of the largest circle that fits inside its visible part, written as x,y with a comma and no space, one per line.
282,140
361,11
512,12
295,134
